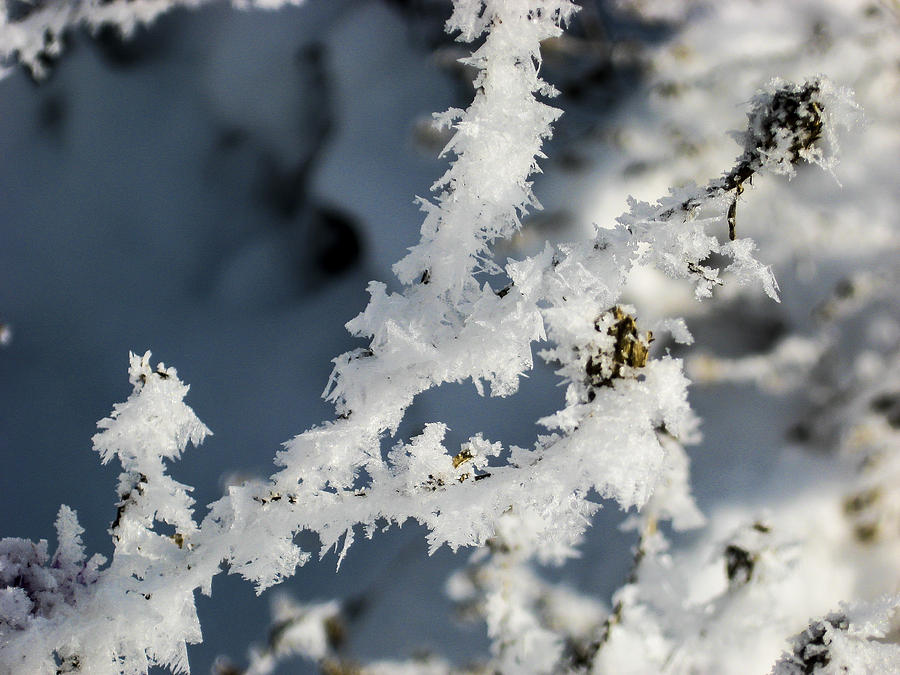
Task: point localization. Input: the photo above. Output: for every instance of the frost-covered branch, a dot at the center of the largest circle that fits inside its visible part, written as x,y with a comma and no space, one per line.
620,434
851,640
69,615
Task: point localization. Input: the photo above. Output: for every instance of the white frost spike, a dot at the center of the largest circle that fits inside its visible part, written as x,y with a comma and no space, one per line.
68,532
152,425
497,141
153,422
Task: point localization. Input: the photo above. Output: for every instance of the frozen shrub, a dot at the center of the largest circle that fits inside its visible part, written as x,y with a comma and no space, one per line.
462,316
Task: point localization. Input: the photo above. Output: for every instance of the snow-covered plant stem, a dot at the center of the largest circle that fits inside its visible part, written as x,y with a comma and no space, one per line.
139,610
459,316
444,327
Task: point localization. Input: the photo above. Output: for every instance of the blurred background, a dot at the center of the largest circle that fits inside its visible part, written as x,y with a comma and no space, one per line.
220,188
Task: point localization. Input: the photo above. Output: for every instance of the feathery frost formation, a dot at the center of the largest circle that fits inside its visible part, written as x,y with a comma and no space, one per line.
69,615
459,316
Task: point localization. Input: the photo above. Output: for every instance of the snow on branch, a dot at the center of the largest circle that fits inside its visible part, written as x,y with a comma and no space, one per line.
619,435
447,327
66,614
851,640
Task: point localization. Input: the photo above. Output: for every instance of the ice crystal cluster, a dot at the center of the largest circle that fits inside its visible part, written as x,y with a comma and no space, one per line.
461,316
